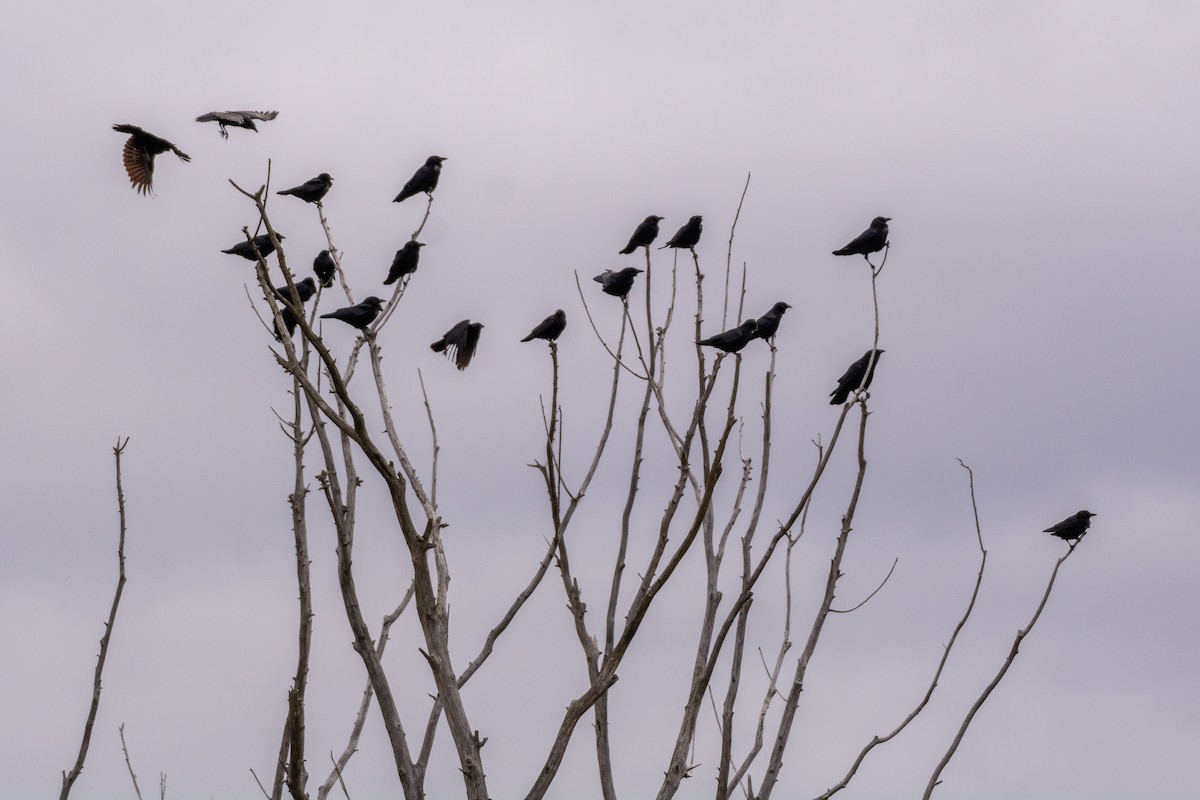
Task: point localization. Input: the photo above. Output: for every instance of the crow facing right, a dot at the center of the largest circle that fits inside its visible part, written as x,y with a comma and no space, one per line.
1073,527
425,179
617,282
459,343
872,240
768,323
140,149
853,376
312,190
405,262
359,316
236,119
644,235
262,242
734,339
550,328
686,237
305,289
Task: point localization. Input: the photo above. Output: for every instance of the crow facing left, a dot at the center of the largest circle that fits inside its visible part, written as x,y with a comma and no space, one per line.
140,149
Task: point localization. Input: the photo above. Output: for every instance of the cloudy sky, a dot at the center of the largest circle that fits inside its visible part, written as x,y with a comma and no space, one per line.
1038,309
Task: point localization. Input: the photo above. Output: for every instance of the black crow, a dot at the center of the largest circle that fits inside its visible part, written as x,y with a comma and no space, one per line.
550,328
617,282
687,236
869,241
262,242
459,343
768,323
425,179
1073,527
312,190
359,316
853,376
734,339
236,119
324,268
140,149
305,289
405,262
644,235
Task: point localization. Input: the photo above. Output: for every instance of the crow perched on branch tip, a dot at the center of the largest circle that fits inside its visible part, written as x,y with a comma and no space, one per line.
425,179
872,240
358,316
550,328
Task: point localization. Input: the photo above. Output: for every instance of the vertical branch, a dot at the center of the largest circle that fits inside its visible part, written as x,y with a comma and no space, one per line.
125,750
69,778
934,779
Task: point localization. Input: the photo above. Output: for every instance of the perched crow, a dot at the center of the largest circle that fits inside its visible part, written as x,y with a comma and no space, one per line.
644,235
550,328
1073,527
869,241
617,282
236,119
425,179
359,316
687,236
311,191
305,289
405,262
324,268
853,376
459,343
140,149
262,242
768,323
734,339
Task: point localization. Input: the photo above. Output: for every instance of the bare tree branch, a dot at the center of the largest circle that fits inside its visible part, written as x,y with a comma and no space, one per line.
69,778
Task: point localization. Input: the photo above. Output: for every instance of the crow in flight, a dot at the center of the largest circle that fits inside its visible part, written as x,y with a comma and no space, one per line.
359,316
236,119
644,235
687,236
1073,527
854,376
869,241
768,323
617,282
262,242
459,342
140,149
550,328
405,262
425,179
324,268
311,191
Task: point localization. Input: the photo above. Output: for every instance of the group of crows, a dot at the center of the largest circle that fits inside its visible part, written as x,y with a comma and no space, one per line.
460,342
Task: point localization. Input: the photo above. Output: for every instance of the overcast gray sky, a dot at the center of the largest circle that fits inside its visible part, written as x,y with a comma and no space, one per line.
1038,309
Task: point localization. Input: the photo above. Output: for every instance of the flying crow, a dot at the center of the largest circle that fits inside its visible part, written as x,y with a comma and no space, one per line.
459,343
140,149
236,119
